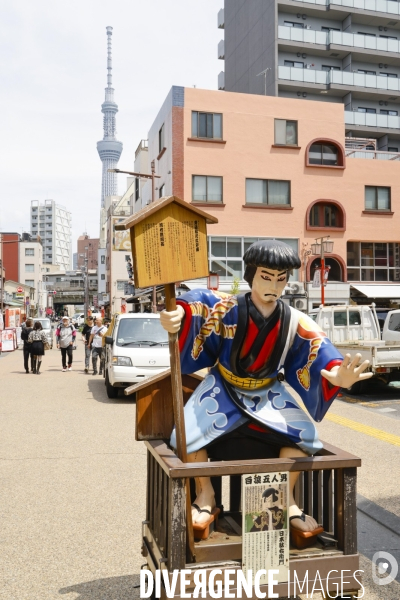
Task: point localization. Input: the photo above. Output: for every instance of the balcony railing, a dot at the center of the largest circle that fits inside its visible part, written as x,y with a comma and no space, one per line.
345,78
221,19
221,48
303,75
370,120
373,154
339,38
383,6
362,80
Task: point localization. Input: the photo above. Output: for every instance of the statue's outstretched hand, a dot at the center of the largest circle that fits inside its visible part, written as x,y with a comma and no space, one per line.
348,373
171,320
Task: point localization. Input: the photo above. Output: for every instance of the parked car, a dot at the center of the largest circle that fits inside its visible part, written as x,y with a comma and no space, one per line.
136,349
46,325
78,319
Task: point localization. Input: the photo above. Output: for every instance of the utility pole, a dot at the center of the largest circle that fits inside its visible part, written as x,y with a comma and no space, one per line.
153,177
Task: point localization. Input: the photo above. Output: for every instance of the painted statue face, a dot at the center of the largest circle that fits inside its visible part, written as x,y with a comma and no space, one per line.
268,284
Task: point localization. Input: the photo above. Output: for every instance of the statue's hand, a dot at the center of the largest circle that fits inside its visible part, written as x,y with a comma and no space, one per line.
348,373
171,321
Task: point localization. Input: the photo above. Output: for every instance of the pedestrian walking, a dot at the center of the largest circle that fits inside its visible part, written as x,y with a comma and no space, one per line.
86,331
65,335
38,343
28,327
95,342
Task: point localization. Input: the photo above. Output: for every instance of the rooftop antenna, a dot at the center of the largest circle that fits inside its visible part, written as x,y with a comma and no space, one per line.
265,78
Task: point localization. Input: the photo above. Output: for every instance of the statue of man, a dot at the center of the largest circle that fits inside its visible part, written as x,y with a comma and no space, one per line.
251,343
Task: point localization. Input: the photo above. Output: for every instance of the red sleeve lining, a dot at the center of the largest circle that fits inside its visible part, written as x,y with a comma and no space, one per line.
328,390
186,324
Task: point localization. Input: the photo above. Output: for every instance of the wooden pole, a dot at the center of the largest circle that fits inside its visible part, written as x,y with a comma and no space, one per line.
177,399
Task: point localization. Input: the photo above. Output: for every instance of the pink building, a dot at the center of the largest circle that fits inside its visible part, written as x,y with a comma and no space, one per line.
279,167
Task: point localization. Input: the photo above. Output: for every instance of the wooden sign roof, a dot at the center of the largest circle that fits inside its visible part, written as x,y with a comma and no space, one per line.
154,207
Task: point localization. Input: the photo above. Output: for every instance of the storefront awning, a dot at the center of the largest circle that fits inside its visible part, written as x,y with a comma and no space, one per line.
389,291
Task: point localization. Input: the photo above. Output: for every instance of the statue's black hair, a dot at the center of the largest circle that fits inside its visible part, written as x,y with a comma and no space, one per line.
271,492
271,254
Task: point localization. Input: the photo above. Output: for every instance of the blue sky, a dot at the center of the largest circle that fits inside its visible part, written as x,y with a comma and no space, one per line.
53,75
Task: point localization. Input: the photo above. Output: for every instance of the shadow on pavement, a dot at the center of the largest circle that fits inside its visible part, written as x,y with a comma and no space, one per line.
115,588
98,390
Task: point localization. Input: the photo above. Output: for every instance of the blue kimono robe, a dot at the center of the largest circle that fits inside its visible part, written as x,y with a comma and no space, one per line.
245,353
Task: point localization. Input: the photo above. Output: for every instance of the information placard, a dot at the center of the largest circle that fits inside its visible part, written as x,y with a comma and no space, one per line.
265,524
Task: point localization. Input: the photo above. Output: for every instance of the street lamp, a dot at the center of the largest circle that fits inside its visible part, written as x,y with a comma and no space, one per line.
321,246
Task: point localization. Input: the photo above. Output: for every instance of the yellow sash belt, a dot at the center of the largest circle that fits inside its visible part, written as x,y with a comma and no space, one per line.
244,383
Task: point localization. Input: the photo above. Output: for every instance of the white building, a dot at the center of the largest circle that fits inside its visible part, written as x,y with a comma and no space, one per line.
52,222
31,268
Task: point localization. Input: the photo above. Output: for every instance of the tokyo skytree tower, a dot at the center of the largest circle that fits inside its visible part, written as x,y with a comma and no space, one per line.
109,148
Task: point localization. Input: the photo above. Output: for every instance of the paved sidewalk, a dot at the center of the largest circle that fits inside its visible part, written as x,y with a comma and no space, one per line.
72,488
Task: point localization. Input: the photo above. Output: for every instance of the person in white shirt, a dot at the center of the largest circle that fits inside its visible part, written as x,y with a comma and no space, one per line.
95,343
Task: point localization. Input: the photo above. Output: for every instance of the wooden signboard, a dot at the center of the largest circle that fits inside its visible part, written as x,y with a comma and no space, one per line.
169,242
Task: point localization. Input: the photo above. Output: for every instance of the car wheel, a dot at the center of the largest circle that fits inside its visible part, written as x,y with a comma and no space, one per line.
112,392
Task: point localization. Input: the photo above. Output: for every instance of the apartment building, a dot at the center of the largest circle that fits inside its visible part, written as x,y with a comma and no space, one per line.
271,167
338,51
87,249
52,222
23,263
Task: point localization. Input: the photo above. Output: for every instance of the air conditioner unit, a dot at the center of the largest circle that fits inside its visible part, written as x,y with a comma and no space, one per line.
288,290
301,304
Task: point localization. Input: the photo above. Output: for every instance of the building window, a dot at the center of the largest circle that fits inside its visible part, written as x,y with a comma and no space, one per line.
103,259
161,144
330,68
368,261
267,191
385,111
371,111
102,277
207,188
207,125
30,282
294,63
161,191
285,132
392,149
29,251
225,255
385,74
326,214
377,198
292,24
327,29
120,286
365,72
29,268
325,153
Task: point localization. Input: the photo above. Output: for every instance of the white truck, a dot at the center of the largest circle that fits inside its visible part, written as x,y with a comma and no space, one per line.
355,329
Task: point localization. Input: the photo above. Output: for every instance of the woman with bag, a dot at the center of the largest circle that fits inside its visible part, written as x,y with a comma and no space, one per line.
24,337
38,344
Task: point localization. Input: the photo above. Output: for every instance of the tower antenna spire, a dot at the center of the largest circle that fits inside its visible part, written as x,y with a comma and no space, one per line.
109,148
109,57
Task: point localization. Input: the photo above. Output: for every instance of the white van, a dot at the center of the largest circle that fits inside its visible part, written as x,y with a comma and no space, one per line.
137,348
